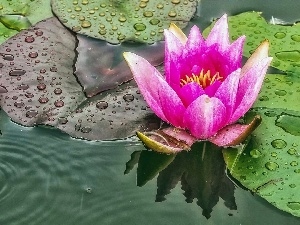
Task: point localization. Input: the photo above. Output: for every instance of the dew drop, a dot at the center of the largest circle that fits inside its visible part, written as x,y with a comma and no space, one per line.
29,39
53,69
17,72
41,86
292,185
19,104
43,100
278,143
57,91
280,35
263,98
154,21
43,71
294,163
273,154
31,113
172,13
86,24
128,97
292,151
59,103
23,87
291,56
297,170
139,26
255,153
102,105
294,205
39,33
148,14
29,95
62,120
86,129
271,166
8,57
33,54
159,6
122,18
280,92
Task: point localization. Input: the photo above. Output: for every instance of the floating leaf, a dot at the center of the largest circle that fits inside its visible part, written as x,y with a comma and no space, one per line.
284,40
19,15
270,164
113,114
39,87
119,20
101,66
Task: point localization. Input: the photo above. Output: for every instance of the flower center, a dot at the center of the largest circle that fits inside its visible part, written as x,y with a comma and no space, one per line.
203,79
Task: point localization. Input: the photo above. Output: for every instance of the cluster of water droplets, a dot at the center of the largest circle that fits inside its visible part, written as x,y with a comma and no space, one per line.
284,40
117,21
35,86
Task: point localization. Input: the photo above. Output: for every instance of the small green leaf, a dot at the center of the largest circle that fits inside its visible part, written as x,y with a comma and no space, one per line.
19,15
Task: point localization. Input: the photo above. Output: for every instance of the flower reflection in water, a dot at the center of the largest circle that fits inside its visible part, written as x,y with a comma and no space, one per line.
201,172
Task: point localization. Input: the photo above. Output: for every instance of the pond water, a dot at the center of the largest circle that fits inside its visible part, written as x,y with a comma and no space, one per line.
47,177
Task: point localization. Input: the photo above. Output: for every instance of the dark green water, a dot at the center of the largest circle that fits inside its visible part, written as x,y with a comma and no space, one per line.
46,177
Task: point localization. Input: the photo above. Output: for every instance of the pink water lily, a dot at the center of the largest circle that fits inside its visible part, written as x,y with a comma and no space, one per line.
205,89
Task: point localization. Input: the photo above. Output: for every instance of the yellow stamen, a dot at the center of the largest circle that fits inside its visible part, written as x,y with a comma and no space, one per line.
203,79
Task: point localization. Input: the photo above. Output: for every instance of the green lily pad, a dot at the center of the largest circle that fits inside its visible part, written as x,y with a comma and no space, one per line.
270,164
118,20
279,91
284,40
20,15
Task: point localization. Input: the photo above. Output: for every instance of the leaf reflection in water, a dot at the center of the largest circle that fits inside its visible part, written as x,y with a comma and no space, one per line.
201,172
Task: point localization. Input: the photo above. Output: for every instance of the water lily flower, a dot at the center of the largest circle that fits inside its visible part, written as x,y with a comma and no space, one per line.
205,88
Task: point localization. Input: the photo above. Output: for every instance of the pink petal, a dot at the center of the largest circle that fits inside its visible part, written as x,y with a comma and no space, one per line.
190,92
235,52
180,135
173,49
212,89
195,41
204,117
249,87
161,98
219,34
235,134
228,90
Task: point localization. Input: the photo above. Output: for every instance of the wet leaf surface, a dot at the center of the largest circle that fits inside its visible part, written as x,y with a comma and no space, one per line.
119,21
270,164
40,88
100,66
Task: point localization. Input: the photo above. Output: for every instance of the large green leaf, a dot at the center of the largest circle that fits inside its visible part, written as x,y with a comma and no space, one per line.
270,163
21,14
119,20
284,40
